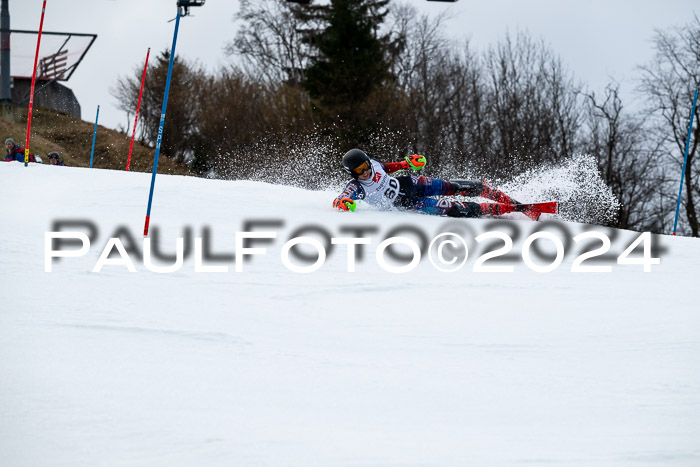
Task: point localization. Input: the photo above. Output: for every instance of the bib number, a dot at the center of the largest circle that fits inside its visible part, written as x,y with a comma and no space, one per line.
390,192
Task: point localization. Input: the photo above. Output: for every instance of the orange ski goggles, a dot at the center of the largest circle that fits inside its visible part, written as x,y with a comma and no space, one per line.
361,168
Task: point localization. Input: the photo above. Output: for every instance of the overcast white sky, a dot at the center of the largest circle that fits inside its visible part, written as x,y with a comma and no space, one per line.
597,39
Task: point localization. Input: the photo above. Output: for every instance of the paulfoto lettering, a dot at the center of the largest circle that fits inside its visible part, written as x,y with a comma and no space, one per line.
395,253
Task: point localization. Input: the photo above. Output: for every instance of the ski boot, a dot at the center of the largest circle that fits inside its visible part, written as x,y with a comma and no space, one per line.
479,209
470,188
474,188
464,210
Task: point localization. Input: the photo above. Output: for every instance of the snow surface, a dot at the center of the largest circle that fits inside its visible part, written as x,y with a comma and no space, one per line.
268,367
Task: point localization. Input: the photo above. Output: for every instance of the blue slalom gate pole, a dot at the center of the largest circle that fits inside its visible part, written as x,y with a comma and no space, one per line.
685,161
94,135
162,124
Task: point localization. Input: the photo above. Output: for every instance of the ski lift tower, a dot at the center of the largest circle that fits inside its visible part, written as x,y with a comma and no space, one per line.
60,55
5,96
185,5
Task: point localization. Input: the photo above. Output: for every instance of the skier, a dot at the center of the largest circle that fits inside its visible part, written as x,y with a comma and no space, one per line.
373,184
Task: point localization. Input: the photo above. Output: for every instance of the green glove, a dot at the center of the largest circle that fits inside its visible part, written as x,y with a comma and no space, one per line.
416,161
345,204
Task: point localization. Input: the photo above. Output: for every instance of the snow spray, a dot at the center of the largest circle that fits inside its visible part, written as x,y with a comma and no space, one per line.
576,183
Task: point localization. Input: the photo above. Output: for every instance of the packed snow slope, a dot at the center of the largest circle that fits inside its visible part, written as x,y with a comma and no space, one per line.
270,367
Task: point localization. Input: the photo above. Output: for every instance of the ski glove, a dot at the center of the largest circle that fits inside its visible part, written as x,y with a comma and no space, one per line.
416,161
345,204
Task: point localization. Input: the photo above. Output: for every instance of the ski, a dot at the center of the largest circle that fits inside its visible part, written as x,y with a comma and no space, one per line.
535,210
531,210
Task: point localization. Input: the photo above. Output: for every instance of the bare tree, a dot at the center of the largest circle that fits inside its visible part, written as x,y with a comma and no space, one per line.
509,109
269,40
184,104
627,159
669,82
417,39
422,64
248,111
534,102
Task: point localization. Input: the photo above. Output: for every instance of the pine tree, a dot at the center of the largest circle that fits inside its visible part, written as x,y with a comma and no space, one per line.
348,61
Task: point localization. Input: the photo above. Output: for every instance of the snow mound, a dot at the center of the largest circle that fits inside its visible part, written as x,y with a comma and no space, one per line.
333,368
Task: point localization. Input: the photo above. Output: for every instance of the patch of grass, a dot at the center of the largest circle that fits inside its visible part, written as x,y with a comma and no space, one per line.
72,139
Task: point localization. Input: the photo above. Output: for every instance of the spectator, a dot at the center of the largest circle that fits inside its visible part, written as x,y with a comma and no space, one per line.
15,152
55,159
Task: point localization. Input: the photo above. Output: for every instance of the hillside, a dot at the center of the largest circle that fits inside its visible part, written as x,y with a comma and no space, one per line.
330,368
72,138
